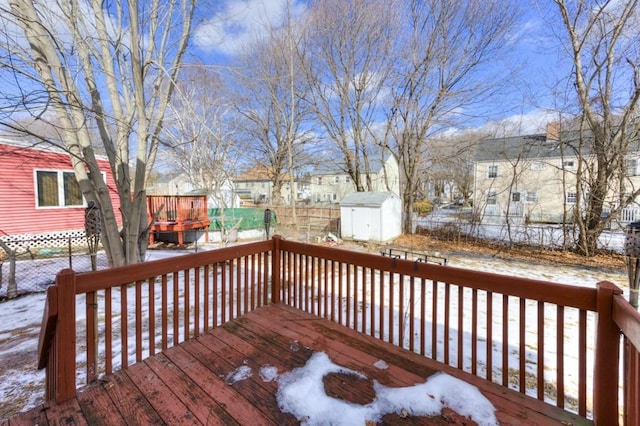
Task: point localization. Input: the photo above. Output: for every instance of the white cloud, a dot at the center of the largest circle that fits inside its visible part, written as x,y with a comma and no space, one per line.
241,21
532,122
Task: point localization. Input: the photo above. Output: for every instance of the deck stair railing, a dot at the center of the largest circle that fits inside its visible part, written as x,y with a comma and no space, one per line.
555,342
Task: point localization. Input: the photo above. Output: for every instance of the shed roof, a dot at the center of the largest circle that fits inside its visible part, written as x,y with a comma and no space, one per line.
368,199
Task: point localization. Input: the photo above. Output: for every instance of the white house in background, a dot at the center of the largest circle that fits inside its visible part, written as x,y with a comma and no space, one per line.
371,216
171,185
533,178
181,185
330,184
256,186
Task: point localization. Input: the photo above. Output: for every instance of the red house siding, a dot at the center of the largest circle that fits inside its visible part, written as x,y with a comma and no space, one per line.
19,213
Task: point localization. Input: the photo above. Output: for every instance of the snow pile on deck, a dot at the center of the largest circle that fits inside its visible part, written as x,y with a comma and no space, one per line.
301,393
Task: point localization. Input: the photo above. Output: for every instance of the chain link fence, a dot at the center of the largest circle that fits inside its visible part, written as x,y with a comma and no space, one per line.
32,261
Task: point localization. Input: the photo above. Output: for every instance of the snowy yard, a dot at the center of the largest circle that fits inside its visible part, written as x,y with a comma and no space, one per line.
22,387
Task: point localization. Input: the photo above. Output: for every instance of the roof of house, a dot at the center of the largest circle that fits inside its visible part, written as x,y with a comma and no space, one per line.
367,199
534,146
527,146
258,173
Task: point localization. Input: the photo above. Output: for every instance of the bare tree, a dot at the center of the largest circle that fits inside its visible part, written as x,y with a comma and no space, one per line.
268,97
200,136
83,66
444,67
602,39
349,53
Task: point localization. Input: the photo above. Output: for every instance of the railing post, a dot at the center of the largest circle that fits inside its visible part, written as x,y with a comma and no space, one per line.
607,358
65,340
276,269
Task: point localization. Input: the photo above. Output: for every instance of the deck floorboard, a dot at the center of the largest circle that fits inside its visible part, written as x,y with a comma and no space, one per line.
193,383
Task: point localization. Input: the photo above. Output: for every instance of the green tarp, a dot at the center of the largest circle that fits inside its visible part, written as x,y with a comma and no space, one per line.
244,218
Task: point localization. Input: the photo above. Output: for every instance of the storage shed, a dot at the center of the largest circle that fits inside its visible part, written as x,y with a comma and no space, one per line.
371,216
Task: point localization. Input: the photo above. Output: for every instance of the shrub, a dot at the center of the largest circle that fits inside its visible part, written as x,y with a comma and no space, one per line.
422,207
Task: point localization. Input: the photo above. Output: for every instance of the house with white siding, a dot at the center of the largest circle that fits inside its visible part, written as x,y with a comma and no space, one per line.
533,178
330,182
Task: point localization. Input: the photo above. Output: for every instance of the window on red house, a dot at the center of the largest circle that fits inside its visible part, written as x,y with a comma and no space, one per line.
57,189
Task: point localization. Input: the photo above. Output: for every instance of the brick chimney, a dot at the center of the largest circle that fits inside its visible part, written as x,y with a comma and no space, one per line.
553,131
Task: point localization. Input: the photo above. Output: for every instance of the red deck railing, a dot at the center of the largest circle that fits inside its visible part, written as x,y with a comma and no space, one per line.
177,213
558,343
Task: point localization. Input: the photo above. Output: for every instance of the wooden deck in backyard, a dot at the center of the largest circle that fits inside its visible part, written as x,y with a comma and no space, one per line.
187,384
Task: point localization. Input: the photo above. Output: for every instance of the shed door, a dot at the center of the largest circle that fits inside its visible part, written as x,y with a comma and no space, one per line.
360,223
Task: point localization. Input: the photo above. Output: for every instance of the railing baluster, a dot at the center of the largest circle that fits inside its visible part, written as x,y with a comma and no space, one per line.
186,300
165,313
124,330
390,313
423,318
434,319
489,319
326,295
355,298
176,310
108,331
582,362
474,331
237,281
207,297
447,318
522,347
385,282
152,316
92,335
348,295
138,313
227,273
541,350
505,340
560,355
340,293
196,301
460,349
217,296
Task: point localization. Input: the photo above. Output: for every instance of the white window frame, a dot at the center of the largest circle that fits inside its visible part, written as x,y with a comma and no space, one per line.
538,165
60,174
569,164
492,198
492,171
530,197
571,197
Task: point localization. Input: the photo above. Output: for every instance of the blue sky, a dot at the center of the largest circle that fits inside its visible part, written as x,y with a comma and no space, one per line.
525,108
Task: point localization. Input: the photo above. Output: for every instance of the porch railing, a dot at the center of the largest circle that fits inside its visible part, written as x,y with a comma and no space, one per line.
558,343
173,208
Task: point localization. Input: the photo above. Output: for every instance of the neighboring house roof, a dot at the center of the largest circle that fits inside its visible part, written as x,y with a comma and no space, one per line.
534,146
258,173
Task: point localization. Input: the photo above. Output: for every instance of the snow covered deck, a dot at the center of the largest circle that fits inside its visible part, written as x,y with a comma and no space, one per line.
531,347
238,373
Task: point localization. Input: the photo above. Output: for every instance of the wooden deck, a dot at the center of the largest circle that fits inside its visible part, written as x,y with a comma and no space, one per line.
187,383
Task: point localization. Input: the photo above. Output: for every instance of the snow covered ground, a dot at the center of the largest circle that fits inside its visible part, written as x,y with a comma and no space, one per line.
22,386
